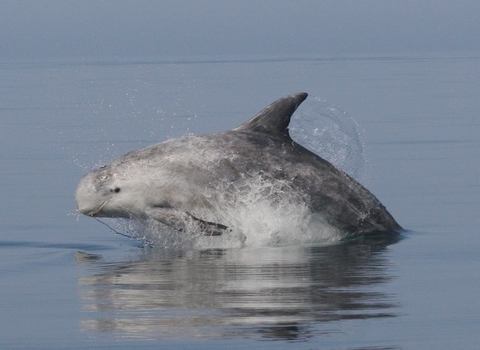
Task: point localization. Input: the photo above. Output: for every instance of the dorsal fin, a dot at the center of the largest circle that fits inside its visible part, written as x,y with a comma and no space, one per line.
274,119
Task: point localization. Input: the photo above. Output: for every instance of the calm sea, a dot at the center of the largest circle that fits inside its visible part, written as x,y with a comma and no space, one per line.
69,282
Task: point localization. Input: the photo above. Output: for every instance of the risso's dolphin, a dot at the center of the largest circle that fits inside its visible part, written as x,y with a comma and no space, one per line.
197,183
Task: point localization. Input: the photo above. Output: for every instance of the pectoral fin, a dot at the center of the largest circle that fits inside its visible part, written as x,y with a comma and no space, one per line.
210,228
181,221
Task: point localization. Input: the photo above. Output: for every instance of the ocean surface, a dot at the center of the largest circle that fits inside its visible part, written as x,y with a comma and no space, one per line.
408,128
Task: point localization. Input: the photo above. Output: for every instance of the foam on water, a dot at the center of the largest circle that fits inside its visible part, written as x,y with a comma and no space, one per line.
270,214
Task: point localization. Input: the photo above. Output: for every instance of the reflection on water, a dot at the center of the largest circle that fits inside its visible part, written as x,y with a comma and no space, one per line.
277,293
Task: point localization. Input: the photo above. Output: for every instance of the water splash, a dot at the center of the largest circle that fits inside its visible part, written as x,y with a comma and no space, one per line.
331,133
259,213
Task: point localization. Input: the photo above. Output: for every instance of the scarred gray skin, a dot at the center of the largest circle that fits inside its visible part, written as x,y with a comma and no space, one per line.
188,182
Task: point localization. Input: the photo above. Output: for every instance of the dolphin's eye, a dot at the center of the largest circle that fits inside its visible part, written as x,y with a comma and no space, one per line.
116,190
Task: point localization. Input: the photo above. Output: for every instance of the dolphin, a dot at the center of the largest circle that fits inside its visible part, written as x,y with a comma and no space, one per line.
196,183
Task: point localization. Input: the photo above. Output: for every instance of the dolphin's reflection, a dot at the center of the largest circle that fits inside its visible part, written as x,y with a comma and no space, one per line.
283,293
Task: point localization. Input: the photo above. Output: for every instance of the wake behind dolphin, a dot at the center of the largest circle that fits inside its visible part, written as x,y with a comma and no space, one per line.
215,184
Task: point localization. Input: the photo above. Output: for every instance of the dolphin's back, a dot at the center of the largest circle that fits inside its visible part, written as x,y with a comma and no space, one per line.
343,201
340,199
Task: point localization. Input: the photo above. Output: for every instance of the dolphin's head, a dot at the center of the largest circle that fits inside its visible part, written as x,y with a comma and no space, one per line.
103,192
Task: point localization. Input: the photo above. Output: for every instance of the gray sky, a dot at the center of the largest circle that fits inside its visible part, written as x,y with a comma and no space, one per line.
139,28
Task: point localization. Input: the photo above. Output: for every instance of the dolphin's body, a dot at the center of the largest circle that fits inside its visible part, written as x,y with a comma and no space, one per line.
192,182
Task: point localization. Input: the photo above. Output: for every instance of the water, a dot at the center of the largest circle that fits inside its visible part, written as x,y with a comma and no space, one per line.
412,136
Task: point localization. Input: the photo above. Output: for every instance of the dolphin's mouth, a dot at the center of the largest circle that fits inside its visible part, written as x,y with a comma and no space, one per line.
94,211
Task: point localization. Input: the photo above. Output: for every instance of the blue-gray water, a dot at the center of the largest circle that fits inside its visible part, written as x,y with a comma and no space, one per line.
419,123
